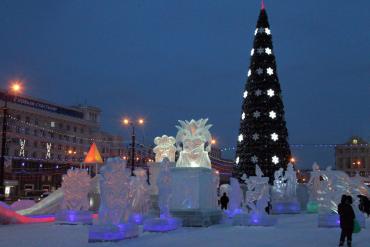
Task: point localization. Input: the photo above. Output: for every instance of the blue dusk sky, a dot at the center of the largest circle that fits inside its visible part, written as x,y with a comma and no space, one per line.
180,59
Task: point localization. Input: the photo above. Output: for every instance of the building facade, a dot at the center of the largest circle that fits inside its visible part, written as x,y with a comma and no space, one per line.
353,156
44,140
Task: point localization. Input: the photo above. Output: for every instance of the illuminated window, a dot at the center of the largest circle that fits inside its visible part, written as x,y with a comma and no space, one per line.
354,141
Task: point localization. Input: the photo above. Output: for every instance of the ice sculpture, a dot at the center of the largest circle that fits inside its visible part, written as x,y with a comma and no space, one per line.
284,200
258,194
236,198
335,184
291,182
165,222
257,198
164,148
315,182
75,205
139,196
115,205
193,140
164,185
75,186
279,185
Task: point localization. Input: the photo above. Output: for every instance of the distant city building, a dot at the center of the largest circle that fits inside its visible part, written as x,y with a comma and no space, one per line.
45,139
353,156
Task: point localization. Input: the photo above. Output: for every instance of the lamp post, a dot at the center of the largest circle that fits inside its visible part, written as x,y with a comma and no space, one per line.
127,122
15,88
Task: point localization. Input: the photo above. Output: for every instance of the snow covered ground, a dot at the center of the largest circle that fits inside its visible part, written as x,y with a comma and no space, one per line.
292,230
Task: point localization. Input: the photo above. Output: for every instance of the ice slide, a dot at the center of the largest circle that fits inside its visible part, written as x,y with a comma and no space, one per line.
8,216
51,204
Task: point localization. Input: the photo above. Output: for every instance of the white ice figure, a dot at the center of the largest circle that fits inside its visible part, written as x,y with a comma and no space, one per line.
290,178
139,193
114,192
165,148
75,187
314,183
193,140
279,186
235,195
258,194
164,181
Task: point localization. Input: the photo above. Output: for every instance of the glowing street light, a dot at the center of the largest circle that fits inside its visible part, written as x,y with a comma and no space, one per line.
292,160
213,141
16,87
127,122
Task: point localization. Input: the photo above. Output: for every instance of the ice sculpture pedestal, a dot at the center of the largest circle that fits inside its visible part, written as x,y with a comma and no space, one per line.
194,198
286,207
112,233
73,217
162,224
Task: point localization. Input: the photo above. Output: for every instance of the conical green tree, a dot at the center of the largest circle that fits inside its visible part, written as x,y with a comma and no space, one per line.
263,136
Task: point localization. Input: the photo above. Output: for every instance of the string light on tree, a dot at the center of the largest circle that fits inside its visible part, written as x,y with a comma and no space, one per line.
275,159
268,51
274,137
260,50
252,52
256,114
240,138
271,93
237,160
249,73
245,94
259,71
270,71
254,159
258,92
243,116
267,31
255,136
272,114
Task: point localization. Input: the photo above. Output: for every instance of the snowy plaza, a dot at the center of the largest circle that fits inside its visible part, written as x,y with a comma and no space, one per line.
292,230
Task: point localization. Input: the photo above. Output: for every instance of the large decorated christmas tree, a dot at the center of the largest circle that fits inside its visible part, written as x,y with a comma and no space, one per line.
263,136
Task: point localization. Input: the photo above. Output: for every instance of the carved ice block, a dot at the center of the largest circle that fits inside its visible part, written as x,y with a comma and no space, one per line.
193,188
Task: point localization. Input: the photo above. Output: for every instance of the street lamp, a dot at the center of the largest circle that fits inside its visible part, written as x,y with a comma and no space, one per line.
15,88
213,141
133,124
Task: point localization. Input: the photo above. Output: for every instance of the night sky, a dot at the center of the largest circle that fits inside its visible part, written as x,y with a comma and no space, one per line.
180,59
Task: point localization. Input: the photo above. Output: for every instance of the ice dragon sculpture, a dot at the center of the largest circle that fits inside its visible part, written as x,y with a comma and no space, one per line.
164,148
114,192
193,140
75,187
